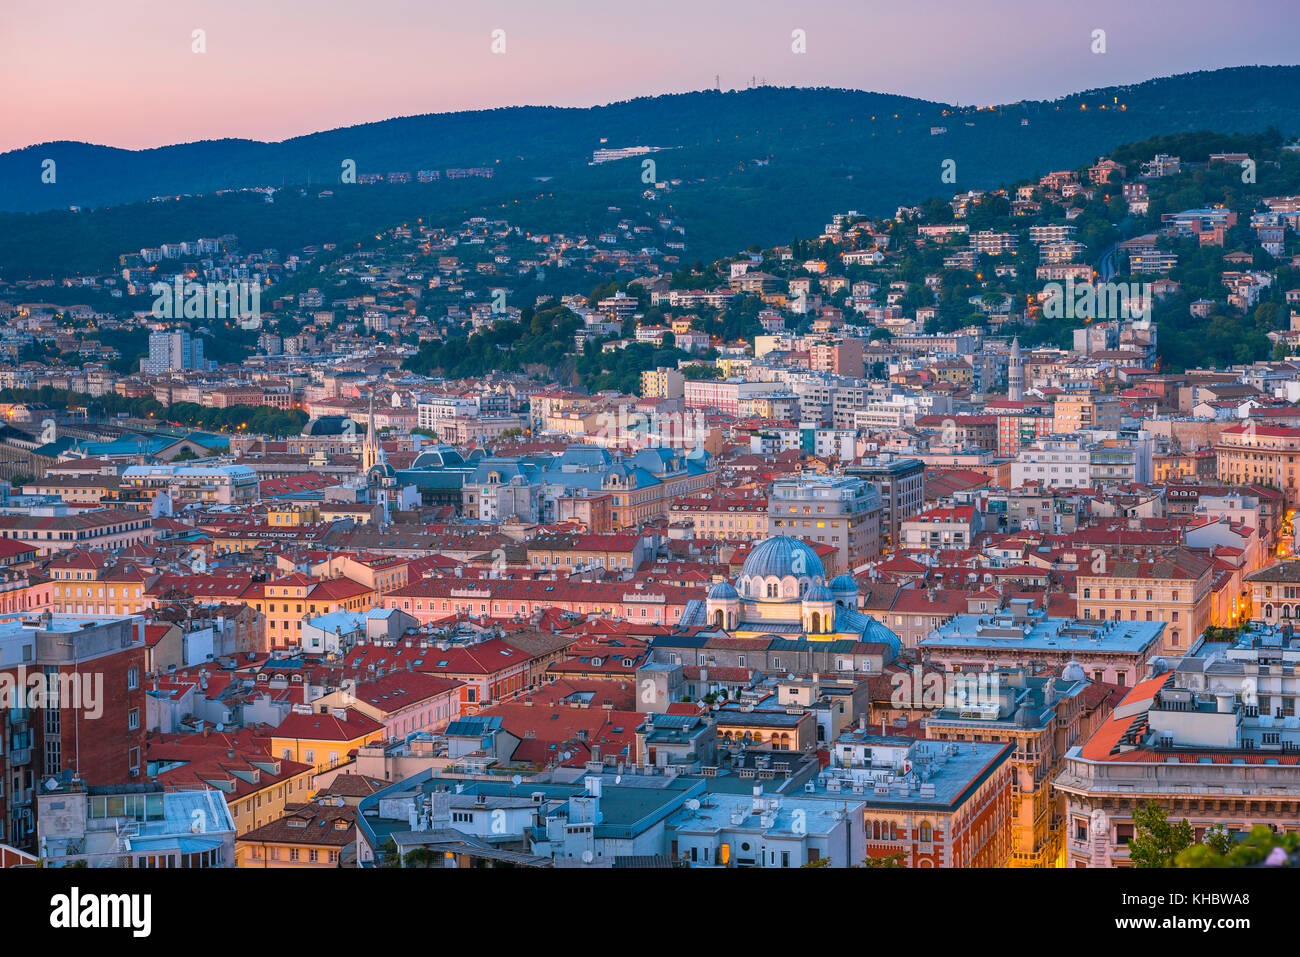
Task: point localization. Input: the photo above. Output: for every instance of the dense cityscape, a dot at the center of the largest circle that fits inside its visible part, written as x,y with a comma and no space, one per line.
955,534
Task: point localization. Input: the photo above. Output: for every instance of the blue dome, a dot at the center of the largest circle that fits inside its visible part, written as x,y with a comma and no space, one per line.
843,583
818,592
722,591
783,556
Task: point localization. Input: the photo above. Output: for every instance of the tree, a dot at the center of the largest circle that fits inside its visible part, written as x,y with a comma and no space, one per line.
388,854
701,372
889,860
1218,840
1261,846
419,857
1156,842
1280,352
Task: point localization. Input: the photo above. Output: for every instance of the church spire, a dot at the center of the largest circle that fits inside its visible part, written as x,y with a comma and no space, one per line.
370,449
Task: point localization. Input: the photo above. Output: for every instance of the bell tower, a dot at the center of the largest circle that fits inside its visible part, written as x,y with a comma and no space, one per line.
1015,372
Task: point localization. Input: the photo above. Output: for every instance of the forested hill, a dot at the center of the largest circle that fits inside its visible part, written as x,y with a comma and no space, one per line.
751,166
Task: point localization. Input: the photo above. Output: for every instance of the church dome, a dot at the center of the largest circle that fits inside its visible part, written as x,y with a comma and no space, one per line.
437,457
723,591
818,592
325,425
844,583
780,557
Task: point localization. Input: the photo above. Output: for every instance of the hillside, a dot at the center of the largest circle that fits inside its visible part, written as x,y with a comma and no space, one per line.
818,150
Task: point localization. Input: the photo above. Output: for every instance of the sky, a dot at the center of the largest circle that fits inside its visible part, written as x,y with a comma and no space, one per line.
126,74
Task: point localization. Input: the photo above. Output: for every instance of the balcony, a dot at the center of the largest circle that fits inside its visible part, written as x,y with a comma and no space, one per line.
20,756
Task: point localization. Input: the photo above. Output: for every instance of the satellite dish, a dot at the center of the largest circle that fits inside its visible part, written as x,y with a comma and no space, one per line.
52,784
693,804
588,857
618,779
517,780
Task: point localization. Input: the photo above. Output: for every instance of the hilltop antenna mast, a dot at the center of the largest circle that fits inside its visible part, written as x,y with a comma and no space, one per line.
717,82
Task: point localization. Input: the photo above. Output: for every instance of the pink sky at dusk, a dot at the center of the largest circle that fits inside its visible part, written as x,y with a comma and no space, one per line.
123,74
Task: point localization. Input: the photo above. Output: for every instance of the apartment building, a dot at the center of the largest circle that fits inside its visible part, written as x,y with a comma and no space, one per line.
106,529
137,825
289,601
1019,428
1055,463
1114,651
1275,592
1175,588
323,740
75,489
939,527
308,835
404,702
1260,454
71,700
722,516
260,785
958,814
95,583
845,357
173,352
663,383
200,484
1041,717
617,552
432,413
721,395
1091,410
842,511
1213,741
900,483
